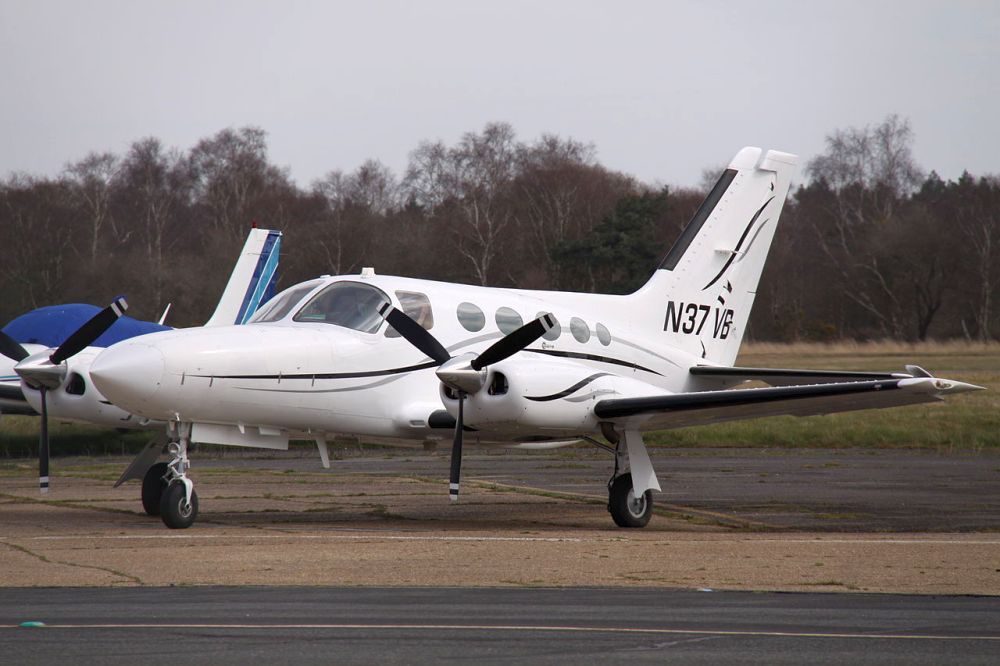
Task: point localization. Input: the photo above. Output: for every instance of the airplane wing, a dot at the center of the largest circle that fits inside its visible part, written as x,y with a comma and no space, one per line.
687,409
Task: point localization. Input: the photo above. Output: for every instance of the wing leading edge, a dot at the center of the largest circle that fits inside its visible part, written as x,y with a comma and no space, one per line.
687,409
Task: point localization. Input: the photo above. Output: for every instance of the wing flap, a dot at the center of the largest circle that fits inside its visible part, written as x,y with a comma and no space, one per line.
700,408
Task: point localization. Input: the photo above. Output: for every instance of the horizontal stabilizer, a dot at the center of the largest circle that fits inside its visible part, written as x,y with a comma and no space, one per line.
789,377
679,410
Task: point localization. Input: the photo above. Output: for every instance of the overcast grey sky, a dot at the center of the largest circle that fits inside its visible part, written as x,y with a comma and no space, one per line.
663,89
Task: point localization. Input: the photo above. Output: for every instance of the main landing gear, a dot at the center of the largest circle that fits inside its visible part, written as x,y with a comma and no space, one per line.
626,509
167,492
630,489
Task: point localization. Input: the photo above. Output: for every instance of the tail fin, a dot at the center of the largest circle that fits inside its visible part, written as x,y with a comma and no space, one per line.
252,281
699,298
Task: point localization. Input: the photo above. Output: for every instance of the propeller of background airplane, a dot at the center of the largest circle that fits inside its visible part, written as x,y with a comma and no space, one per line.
45,371
466,373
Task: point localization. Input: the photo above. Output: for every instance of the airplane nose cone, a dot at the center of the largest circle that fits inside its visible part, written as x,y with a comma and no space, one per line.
128,374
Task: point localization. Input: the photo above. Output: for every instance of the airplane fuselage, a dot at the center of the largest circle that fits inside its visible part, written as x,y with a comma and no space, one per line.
310,378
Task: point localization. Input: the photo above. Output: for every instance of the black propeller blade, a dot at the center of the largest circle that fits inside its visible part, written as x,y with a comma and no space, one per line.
11,348
514,342
456,451
43,447
414,333
90,331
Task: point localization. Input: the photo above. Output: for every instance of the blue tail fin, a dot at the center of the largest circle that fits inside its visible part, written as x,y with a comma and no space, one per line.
253,280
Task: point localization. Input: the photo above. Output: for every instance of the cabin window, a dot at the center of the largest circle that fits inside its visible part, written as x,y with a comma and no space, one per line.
554,332
579,329
471,317
279,306
508,320
349,304
417,306
603,334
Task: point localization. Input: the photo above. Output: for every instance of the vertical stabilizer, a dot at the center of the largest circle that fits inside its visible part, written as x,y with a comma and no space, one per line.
252,281
699,298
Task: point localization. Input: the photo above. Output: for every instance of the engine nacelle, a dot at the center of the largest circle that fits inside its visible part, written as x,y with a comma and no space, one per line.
76,398
544,394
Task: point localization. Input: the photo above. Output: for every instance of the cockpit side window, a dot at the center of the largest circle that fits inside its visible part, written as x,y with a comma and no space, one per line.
279,306
348,304
417,306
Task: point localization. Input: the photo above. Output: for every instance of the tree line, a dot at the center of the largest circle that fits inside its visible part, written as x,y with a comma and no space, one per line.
869,245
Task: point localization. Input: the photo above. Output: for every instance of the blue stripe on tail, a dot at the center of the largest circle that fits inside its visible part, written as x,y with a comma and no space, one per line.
265,277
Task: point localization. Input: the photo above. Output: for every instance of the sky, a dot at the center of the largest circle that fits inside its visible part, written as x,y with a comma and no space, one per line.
662,89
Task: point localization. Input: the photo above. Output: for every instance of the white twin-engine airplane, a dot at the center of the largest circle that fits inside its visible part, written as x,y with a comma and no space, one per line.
404,359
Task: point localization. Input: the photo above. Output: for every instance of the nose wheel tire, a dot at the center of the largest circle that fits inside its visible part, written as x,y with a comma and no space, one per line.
626,509
153,485
175,511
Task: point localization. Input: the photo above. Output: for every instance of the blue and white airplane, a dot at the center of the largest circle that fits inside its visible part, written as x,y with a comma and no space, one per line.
47,353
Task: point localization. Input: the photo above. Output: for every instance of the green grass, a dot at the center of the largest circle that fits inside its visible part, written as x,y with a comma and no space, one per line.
19,438
968,422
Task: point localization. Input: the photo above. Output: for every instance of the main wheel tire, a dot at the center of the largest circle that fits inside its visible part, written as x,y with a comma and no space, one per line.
152,488
175,511
626,509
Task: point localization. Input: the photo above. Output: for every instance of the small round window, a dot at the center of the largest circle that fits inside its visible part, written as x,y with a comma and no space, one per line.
603,334
554,332
508,320
471,317
579,329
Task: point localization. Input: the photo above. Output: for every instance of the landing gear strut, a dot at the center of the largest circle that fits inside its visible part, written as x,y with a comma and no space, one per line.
178,501
628,507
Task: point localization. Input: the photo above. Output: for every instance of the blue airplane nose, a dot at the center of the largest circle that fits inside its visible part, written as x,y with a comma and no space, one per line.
128,373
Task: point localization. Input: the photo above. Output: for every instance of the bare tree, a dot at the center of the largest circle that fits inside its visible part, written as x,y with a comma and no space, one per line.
231,173
561,193
351,204
864,174
34,220
470,186
92,179
155,185
976,206
869,168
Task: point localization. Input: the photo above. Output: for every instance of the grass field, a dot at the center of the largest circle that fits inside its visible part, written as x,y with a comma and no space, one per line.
968,422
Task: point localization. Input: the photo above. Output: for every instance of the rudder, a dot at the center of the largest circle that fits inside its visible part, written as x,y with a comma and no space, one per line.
703,290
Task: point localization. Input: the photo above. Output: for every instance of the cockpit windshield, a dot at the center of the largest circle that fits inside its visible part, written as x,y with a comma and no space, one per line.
279,306
348,304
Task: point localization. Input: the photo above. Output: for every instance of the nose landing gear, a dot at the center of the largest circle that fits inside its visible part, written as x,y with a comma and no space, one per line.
178,502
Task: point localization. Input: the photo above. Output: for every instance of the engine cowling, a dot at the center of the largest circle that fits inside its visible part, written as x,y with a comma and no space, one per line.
543,394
